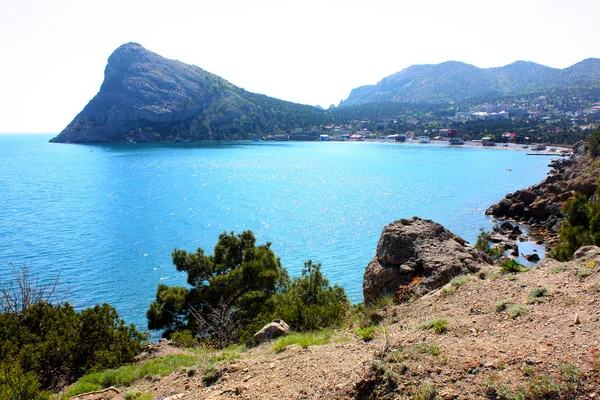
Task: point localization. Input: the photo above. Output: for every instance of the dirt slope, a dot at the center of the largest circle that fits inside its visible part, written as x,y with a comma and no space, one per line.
549,350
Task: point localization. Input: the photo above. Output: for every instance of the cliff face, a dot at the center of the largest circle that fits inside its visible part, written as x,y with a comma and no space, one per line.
148,98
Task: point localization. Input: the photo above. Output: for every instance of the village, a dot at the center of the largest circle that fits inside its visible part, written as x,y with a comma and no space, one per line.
540,119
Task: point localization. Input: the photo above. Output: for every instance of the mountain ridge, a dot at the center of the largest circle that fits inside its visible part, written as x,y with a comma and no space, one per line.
455,81
147,98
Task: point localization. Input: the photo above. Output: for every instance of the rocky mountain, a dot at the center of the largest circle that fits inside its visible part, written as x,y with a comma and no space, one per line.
457,82
148,98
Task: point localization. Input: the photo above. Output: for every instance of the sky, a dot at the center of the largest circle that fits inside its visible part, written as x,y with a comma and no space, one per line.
53,52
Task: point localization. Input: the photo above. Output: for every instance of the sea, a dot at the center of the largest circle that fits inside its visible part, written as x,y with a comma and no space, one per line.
105,219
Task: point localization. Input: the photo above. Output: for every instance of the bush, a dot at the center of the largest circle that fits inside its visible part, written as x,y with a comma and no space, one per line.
515,311
483,244
581,228
239,289
502,305
438,326
536,294
310,302
366,333
16,384
511,266
54,342
184,338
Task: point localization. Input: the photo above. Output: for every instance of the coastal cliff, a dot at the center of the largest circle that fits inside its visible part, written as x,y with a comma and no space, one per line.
148,98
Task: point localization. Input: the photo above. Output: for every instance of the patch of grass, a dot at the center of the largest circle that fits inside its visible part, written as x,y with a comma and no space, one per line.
363,315
516,311
512,277
428,348
570,376
455,283
303,339
229,354
125,375
342,339
536,294
211,375
82,387
584,272
366,333
594,288
511,267
137,395
558,269
502,305
438,326
460,280
542,387
425,391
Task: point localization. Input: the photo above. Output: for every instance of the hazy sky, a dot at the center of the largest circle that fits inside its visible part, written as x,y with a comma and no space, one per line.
53,52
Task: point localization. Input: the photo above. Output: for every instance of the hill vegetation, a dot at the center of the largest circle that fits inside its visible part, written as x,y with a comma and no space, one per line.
239,289
147,98
46,343
582,226
456,82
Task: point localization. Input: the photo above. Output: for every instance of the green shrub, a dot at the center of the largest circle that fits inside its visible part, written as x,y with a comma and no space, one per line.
458,281
16,384
239,289
558,269
428,348
54,342
515,311
229,289
184,338
502,305
310,302
137,395
425,391
536,294
483,244
366,333
581,228
438,326
584,272
82,387
511,266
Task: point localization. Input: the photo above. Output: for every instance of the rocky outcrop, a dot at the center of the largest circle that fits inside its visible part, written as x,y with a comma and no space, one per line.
272,330
539,206
415,256
148,98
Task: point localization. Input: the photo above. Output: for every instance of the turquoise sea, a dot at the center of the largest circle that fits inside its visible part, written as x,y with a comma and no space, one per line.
107,217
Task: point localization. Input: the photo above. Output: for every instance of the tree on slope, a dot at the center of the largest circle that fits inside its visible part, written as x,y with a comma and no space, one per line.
237,280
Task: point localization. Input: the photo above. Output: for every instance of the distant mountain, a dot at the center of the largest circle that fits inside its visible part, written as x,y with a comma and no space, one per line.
458,82
148,98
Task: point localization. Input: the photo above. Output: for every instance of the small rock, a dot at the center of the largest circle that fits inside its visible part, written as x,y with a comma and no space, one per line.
576,320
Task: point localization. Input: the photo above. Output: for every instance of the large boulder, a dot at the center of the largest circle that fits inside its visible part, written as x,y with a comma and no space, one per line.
415,256
270,331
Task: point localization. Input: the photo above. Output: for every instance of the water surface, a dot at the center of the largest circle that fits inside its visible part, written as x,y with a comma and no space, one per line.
107,217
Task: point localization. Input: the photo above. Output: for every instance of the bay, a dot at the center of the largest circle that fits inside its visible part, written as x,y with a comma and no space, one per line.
107,217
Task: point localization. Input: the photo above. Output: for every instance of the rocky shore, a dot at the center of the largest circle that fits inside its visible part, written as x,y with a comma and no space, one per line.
539,206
